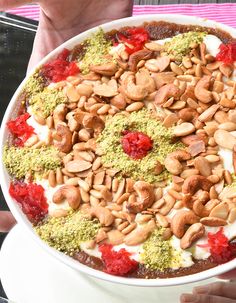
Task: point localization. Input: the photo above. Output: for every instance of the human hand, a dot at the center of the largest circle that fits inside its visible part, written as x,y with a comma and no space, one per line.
7,221
218,292
60,20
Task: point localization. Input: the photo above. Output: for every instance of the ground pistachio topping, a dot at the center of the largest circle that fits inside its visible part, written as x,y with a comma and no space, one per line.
67,233
143,169
159,254
97,48
181,45
35,161
34,85
46,101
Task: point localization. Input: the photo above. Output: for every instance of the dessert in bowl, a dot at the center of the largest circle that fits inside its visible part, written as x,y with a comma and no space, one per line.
119,151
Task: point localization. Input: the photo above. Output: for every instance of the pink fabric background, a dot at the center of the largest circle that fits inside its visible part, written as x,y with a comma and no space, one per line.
225,13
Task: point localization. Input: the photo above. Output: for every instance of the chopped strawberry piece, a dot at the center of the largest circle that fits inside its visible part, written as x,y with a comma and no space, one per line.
136,144
220,248
227,53
20,129
60,68
31,198
134,39
117,263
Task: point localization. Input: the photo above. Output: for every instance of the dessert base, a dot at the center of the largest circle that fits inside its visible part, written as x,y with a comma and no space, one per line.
29,275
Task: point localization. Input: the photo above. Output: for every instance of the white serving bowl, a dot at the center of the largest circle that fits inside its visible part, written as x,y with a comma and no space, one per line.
5,179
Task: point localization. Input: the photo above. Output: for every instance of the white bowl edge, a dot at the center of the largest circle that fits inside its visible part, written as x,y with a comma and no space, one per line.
20,217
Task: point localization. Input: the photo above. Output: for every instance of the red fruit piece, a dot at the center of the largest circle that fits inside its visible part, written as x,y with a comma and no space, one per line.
117,263
20,129
227,53
31,198
134,39
60,68
220,248
136,144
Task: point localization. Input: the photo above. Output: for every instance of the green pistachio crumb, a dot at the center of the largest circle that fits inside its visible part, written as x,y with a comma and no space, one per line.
181,45
34,85
97,48
159,254
46,101
67,233
113,155
24,160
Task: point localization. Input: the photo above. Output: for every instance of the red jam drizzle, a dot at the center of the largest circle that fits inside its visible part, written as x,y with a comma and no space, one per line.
227,53
134,39
117,263
31,198
60,68
220,248
136,144
20,129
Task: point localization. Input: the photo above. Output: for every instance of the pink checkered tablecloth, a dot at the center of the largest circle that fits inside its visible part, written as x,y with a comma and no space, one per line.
224,13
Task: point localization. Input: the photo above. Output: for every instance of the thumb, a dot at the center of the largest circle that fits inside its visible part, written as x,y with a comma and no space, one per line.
7,221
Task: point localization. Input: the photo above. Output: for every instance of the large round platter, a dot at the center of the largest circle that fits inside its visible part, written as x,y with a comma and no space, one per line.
5,180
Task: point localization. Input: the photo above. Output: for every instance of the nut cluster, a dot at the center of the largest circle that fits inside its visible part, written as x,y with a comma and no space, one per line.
196,97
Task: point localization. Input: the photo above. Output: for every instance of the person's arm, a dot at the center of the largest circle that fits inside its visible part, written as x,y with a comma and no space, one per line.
61,20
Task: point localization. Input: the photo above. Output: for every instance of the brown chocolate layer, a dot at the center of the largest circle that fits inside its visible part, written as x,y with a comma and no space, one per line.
144,273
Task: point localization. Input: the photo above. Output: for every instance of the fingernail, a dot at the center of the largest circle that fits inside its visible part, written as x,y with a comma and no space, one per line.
201,289
189,298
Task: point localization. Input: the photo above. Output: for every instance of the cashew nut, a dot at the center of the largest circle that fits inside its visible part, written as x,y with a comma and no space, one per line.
187,201
133,91
105,90
69,193
158,168
118,101
163,78
140,234
134,58
65,144
73,121
194,232
193,183
172,161
165,92
108,69
200,209
103,214
188,114
59,114
201,89
93,122
144,79
180,220
145,198
115,237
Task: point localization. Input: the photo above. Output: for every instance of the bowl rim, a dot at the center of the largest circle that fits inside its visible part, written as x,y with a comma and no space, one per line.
4,177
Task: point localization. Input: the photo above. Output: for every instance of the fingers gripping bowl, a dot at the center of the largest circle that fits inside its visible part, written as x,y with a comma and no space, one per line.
119,151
